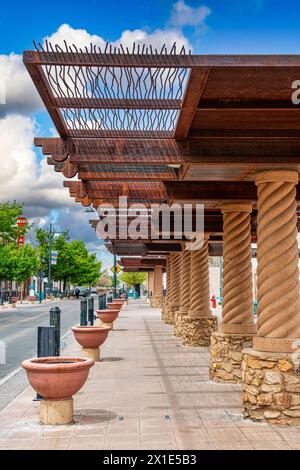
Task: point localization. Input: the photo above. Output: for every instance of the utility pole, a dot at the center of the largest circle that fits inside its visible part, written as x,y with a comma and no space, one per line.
51,233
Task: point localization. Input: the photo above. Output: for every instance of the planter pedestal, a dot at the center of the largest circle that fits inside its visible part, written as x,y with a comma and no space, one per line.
98,322
56,412
92,353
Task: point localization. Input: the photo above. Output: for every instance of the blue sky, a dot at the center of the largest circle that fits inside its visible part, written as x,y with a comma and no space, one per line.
234,26
208,26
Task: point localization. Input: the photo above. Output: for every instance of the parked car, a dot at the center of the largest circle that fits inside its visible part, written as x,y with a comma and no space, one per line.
83,291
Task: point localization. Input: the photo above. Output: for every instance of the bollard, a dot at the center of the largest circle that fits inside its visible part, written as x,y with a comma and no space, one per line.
55,321
45,345
109,299
102,302
10,297
83,312
1,299
91,310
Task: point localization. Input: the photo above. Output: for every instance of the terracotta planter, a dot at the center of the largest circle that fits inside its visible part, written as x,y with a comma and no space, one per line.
114,306
57,378
90,336
118,301
107,316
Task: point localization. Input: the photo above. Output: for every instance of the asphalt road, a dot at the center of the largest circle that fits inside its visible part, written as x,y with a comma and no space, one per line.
18,331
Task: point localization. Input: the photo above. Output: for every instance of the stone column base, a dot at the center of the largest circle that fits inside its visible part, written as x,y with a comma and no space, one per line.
56,412
271,387
170,314
157,302
180,317
225,363
92,353
197,331
163,310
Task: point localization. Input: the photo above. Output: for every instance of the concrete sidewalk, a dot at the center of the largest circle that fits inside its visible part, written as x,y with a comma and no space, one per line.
148,392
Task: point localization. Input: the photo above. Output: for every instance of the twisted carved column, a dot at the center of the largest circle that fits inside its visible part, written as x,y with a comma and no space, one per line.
158,287
277,275
150,283
175,281
237,305
199,283
181,314
168,285
166,300
185,281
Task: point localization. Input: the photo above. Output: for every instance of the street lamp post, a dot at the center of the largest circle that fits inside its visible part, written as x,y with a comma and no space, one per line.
52,234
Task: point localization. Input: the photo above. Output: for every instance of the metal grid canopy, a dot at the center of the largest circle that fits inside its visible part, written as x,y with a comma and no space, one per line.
87,95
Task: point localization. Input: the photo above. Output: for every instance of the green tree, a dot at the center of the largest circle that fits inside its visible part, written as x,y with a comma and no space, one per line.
74,263
133,279
25,265
9,212
7,261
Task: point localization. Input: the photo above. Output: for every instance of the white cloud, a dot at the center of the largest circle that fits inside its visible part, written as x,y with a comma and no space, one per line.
26,178
23,176
184,15
20,93
81,38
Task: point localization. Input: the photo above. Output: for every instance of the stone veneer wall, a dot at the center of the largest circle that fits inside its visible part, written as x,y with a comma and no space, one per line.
169,314
226,356
179,323
271,387
198,331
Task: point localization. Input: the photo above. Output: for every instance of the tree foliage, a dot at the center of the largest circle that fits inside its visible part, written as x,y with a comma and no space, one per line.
74,263
132,279
7,261
9,212
18,263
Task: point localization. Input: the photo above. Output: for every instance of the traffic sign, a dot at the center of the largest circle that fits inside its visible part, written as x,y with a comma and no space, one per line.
118,269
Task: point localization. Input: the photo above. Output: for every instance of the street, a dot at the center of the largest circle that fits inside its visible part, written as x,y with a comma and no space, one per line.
18,330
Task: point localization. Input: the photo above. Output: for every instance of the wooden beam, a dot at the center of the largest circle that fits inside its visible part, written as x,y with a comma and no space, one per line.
117,103
171,190
41,83
194,90
212,150
86,59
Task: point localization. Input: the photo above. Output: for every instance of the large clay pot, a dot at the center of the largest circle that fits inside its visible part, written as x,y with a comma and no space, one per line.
118,301
114,306
57,378
90,336
107,316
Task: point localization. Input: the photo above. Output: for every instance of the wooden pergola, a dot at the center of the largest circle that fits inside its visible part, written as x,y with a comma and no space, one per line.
166,126
172,127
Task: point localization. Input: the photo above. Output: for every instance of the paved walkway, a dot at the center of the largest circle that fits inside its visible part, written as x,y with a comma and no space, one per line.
148,392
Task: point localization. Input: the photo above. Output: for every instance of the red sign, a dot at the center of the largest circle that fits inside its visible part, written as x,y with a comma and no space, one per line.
21,223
